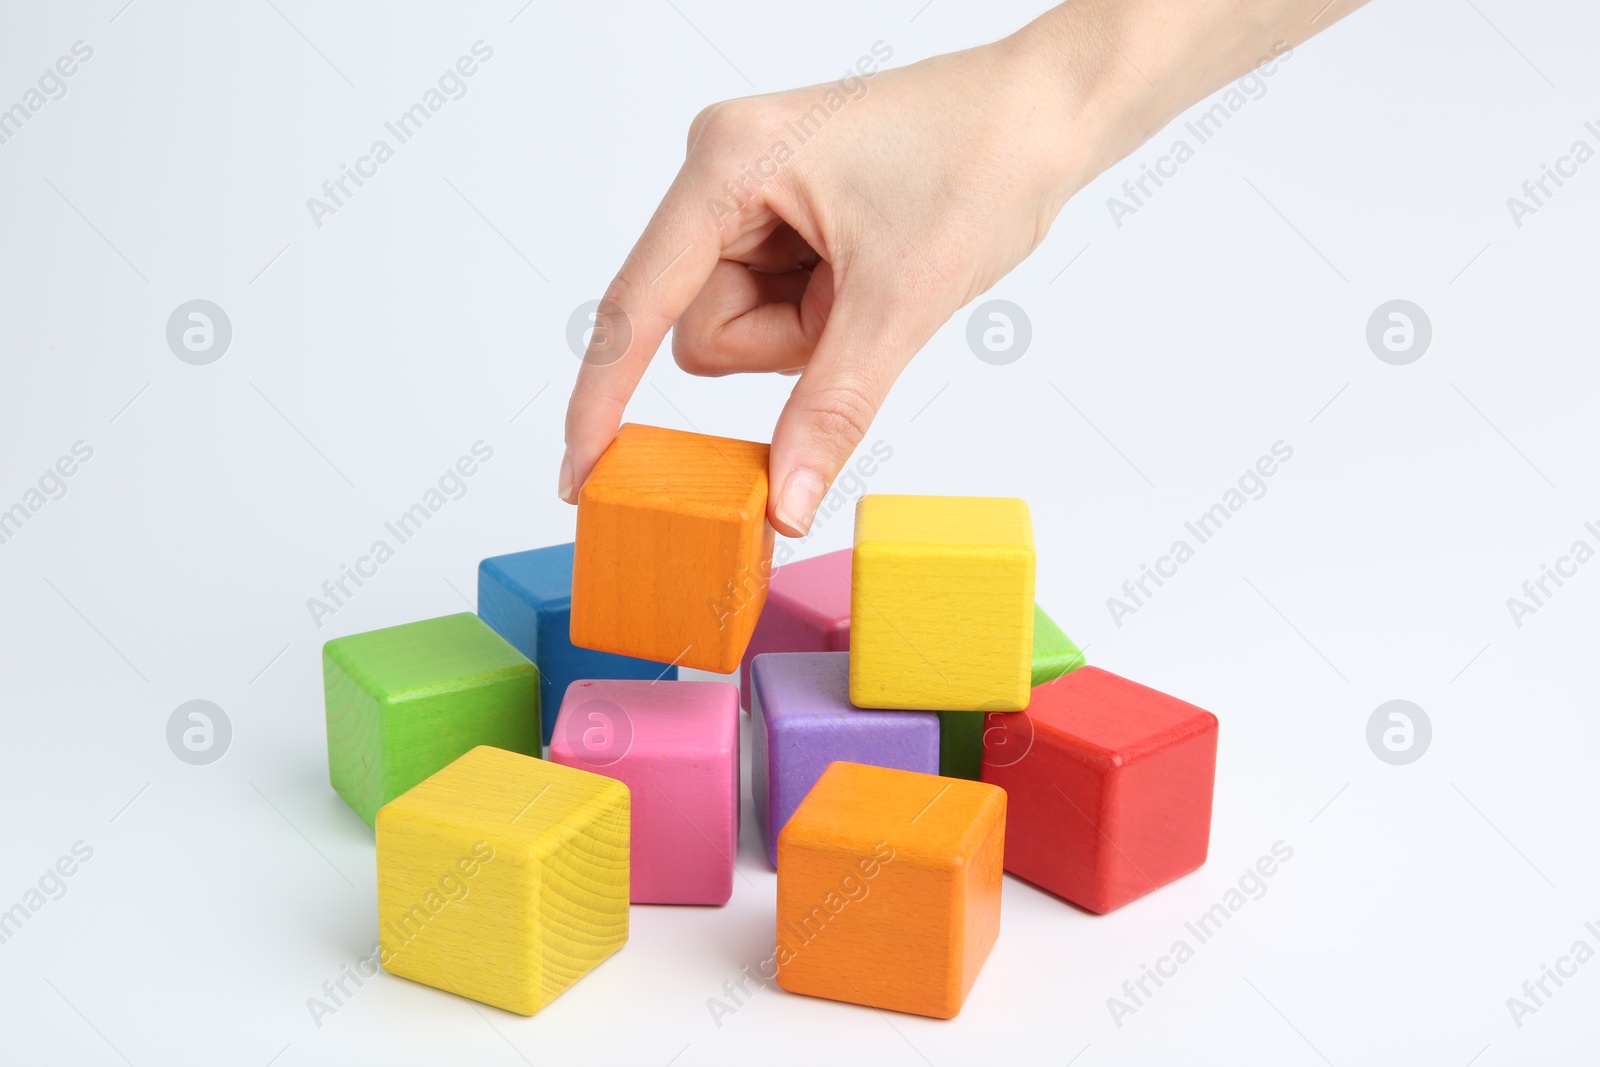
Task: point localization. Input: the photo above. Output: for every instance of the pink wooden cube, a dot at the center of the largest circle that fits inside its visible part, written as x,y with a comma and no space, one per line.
808,610
675,745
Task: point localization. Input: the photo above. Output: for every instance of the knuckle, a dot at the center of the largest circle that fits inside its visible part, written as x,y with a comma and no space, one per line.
694,354
624,290
688,357
716,125
840,415
725,125
631,296
697,127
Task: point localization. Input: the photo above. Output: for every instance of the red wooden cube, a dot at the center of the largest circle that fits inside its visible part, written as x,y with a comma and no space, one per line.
1109,787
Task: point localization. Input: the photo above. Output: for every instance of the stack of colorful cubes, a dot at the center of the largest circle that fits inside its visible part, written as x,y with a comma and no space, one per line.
918,725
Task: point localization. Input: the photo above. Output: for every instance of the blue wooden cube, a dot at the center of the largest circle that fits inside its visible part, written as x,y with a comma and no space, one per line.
526,597
802,720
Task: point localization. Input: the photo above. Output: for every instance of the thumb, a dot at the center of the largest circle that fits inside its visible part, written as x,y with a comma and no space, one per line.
862,350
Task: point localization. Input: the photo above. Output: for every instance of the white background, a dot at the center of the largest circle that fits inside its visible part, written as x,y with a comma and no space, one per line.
1227,314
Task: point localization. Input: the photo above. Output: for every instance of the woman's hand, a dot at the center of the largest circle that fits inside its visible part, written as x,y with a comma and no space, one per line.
830,231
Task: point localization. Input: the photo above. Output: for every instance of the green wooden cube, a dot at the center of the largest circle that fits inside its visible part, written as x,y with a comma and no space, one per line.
405,701
961,732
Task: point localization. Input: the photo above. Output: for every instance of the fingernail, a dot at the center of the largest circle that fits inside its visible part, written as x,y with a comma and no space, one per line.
797,504
564,485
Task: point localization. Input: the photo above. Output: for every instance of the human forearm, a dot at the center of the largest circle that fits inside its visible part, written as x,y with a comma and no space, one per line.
1116,71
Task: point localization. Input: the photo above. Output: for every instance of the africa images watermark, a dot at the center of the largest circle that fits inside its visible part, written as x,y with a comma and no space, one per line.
337,992
1537,592
51,885
852,889
852,85
1252,485
51,485
450,891
1537,192
1252,885
451,85
1137,192
199,732
1536,992
51,86
451,485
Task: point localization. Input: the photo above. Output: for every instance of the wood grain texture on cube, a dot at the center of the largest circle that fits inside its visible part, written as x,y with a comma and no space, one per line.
503,878
673,548
941,610
889,888
404,701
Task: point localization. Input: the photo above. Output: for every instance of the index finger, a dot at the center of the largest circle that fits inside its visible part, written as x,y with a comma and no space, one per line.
658,281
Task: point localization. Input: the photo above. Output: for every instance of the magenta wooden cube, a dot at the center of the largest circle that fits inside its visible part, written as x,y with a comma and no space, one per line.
808,610
802,720
675,745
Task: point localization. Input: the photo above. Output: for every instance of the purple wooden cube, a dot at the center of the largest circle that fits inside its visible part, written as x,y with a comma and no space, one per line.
802,720
808,610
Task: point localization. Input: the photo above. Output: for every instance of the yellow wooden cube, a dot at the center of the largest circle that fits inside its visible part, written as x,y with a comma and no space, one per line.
941,603
503,878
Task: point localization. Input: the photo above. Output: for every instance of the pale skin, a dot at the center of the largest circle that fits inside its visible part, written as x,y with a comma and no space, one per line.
915,197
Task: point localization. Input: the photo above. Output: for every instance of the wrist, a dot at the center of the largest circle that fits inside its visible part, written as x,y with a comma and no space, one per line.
1099,102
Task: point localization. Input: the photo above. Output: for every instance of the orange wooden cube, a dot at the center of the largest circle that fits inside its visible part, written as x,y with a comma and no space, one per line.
889,888
674,550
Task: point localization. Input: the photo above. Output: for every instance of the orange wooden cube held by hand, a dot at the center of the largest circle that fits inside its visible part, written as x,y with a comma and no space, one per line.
673,548
889,888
